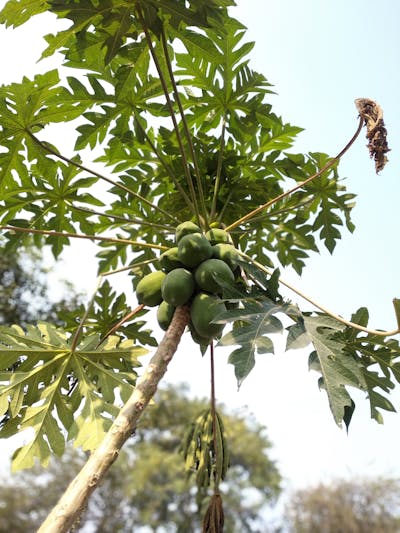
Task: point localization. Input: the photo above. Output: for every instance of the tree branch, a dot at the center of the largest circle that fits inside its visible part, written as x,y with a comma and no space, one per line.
75,498
379,332
82,236
299,185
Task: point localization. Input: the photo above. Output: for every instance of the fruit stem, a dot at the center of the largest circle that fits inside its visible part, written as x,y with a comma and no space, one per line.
299,185
213,414
381,333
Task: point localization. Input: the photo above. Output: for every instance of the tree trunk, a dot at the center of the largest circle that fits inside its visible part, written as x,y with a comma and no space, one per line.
75,498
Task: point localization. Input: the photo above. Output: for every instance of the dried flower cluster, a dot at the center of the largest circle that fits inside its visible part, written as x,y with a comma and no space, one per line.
372,114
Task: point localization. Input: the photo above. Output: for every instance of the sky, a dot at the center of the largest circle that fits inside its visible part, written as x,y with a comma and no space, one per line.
320,56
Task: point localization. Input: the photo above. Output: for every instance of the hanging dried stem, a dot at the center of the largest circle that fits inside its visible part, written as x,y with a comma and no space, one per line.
214,518
372,114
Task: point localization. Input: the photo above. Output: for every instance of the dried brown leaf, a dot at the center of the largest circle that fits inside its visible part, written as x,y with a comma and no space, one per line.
372,114
213,521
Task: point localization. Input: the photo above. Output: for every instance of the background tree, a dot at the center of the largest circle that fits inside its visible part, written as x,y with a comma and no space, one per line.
25,295
366,505
148,485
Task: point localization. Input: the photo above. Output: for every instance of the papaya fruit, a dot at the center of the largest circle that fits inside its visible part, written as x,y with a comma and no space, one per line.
177,286
227,253
216,235
205,307
169,260
148,290
208,274
193,249
198,339
186,228
165,312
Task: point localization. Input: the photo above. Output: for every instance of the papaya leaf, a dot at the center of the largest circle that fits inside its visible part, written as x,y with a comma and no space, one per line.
378,356
17,12
50,388
252,328
338,369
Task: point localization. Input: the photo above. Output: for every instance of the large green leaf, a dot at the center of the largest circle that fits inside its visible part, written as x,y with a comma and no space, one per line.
48,385
347,357
17,12
338,369
252,330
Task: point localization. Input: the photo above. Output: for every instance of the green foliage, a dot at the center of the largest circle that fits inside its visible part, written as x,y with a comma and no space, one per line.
345,358
108,310
253,325
182,126
44,379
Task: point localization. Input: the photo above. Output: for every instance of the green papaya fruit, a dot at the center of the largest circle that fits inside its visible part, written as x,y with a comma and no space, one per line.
216,235
169,260
198,339
186,228
227,253
165,312
177,286
193,249
205,307
209,272
148,290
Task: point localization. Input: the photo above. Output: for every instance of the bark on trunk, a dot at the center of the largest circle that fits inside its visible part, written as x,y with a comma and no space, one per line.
75,498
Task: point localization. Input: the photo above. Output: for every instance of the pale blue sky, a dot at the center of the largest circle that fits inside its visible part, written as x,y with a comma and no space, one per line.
320,56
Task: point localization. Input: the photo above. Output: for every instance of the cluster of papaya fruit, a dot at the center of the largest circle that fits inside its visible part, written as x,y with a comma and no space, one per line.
192,272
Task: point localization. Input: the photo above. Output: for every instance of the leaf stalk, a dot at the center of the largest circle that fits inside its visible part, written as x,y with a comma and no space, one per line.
379,332
332,162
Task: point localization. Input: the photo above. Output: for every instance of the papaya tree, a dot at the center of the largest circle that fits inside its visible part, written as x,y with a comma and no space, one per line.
200,199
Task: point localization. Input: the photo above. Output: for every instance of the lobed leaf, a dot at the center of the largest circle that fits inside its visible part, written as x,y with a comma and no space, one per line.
50,388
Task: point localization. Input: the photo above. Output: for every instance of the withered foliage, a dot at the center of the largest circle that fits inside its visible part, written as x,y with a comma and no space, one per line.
213,521
372,114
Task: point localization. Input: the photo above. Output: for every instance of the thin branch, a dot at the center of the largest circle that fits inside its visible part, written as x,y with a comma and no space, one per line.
213,413
300,185
116,326
121,219
169,170
130,267
381,333
282,211
82,236
172,114
185,125
75,498
79,329
219,171
224,207
93,172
